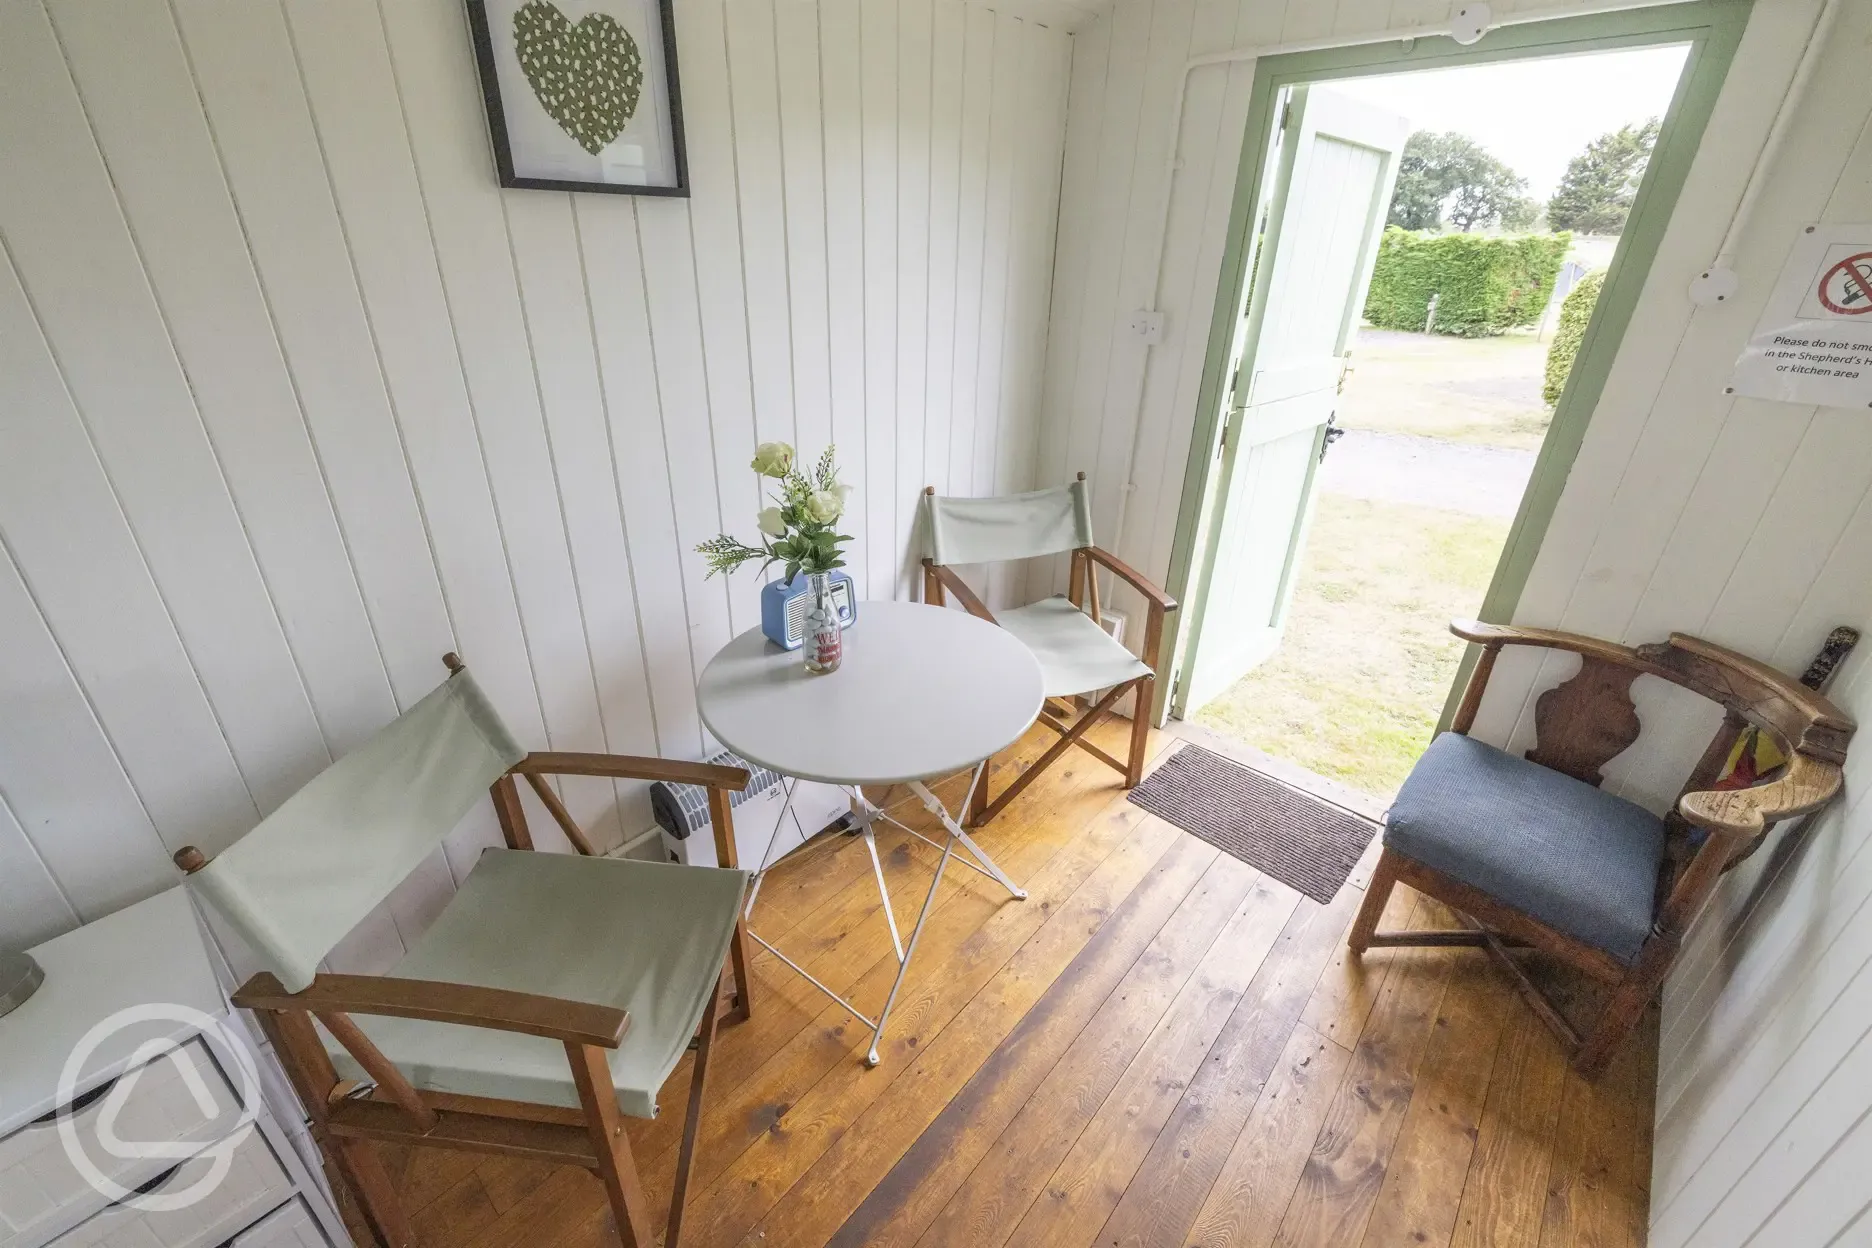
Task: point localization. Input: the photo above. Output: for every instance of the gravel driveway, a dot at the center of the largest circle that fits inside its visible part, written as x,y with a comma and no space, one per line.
1429,472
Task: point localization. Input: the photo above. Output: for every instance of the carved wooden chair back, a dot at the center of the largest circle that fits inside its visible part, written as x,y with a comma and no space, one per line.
1580,726
1078,658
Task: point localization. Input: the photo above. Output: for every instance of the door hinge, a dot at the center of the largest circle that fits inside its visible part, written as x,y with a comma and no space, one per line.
1231,426
1286,114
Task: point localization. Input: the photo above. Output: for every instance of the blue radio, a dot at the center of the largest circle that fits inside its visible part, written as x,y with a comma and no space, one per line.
783,607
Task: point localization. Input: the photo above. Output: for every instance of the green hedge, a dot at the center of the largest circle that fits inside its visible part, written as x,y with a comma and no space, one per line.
1485,284
1575,310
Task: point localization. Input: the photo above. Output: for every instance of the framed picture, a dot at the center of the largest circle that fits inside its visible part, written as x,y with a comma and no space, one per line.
581,94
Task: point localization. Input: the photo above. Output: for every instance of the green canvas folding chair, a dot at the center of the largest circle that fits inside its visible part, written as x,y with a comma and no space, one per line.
553,993
1077,656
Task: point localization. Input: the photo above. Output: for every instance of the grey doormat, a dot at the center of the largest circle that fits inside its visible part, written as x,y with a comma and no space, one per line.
1298,839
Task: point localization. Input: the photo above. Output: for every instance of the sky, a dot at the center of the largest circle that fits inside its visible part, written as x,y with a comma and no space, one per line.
1534,115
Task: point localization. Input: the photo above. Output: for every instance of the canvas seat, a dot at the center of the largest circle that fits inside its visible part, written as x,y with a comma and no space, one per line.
1078,658
1574,857
646,937
1075,654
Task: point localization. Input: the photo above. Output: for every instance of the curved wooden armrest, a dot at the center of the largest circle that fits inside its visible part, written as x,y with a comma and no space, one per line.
1808,784
1762,693
1132,577
574,1022
959,587
1549,639
1809,700
632,767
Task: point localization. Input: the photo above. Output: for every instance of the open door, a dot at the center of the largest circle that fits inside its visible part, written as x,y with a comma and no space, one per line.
1337,160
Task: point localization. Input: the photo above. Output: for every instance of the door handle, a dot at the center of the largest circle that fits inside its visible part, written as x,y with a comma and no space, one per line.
1333,434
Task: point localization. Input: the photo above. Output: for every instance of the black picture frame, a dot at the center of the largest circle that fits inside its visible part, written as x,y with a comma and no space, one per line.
497,114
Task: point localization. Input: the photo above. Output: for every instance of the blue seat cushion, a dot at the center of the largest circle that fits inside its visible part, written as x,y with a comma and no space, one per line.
1579,860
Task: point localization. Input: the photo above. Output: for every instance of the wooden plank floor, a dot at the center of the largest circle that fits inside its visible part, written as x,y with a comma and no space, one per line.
1160,1046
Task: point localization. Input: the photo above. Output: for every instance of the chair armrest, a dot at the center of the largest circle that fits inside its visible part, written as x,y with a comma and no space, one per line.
1132,577
1807,784
1550,639
633,767
957,586
552,1018
1760,693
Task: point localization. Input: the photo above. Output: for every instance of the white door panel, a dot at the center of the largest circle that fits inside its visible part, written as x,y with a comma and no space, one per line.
1327,208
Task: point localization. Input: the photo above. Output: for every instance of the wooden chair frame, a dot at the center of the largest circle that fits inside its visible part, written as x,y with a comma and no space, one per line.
1082,589
348,1121
1582,724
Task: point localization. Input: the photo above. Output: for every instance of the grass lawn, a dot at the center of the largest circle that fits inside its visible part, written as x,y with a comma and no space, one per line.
1359,681
1483,390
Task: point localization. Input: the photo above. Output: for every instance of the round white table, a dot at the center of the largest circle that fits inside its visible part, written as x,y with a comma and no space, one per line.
922,692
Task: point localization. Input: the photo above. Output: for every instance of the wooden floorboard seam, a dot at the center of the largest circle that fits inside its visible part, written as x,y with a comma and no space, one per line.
1122,937
1164,1196
1026,924
733,1205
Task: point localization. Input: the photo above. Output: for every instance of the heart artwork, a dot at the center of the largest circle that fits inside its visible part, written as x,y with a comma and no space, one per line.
587,76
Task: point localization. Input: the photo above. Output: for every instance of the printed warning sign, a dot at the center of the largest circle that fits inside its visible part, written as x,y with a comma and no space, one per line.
1813,343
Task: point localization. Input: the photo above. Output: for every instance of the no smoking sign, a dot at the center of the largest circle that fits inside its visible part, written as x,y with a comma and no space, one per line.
1844,287
1813,344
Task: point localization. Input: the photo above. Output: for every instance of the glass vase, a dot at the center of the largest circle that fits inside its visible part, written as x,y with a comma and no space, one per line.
824,644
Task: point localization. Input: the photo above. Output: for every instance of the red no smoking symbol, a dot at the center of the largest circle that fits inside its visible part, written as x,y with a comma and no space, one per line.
1846,288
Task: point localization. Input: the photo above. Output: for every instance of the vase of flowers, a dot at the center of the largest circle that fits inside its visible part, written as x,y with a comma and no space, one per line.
800,531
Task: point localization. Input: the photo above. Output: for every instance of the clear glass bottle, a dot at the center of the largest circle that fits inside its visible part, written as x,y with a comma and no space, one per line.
824,644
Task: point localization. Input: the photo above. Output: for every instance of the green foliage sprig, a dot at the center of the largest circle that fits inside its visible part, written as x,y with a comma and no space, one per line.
1484,284
800,530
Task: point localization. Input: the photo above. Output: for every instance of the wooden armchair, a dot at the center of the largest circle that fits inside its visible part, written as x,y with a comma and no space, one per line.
1532,854
553,993
1077,656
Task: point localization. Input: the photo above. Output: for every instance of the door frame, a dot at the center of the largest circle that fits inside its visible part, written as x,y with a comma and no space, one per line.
1711,28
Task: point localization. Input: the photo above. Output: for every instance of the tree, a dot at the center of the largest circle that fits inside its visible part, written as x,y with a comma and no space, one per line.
1493,195
1595,196
1450,176
1521,215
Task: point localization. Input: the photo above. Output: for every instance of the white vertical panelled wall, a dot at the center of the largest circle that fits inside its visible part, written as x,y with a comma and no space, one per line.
1744,521
293,398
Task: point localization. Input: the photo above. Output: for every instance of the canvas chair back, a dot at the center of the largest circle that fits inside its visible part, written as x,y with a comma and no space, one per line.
1013,526
308,874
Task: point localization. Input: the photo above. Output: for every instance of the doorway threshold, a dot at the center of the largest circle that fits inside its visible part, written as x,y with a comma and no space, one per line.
1294,776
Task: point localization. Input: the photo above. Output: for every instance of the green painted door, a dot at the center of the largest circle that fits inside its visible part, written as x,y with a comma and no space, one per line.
1336,160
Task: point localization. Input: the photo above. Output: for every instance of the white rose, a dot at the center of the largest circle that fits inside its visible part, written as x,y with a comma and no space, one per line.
824,506
772,523
773,459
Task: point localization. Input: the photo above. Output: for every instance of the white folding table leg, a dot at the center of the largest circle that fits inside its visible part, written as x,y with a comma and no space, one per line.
956,834
861,809
903,966
786,806
955,830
